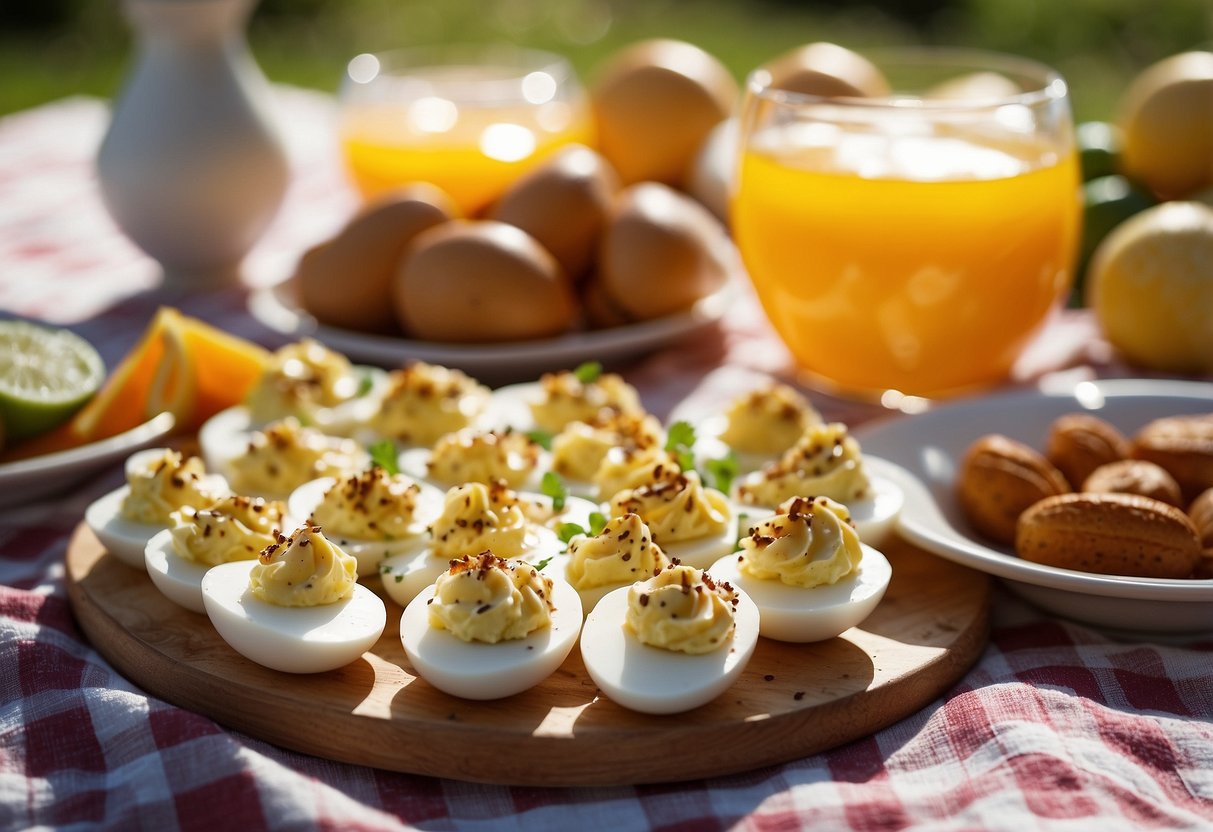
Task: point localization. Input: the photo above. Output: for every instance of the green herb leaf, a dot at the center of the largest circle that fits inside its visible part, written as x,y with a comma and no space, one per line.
383,455
366,382
598,522
743,530
543,438
567,531
680,436
553,486
721,472
588,372
543,563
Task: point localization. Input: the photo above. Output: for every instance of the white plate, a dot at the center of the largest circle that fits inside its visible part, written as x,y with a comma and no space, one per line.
499,363
929,446
28,479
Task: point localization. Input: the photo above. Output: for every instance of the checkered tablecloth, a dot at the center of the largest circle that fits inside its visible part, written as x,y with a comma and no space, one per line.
1056,727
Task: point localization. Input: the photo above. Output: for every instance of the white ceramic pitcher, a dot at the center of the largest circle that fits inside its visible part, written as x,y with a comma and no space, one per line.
191,168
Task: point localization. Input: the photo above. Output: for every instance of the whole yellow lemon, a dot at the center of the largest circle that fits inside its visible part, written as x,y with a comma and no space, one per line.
1166,116
1151,286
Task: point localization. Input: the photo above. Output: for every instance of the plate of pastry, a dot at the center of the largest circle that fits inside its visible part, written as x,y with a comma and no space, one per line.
1062,561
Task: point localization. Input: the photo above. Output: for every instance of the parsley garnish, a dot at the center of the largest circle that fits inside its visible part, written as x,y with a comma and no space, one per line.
553,486
588,372
598,522
721,472
680,439
366,382
567,531
542,438
383,455
543,563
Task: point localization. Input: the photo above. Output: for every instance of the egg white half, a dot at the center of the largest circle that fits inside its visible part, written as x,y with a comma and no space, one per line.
122,538
290,639
874,516
405,575
225,436
178,579
799,614
476,670
656,681
369,553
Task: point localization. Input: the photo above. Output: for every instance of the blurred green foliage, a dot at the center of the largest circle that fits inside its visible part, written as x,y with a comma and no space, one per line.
54,48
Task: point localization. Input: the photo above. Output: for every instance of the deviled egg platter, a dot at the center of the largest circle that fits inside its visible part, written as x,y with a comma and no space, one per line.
476,517
159,481
826,461
490,627
297,608
371,514
235,528
670,643
807,571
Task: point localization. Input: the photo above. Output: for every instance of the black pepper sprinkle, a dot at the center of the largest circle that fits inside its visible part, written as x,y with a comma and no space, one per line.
798,695
770,677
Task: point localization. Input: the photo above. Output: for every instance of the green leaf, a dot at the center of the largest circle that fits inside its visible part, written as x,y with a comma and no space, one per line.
598,522
721,472
383,455
366,382
553,486
588,372
743,531
543,563
543,438
681,435
567,531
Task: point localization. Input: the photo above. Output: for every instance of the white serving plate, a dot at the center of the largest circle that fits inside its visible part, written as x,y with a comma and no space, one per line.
498,363
929,446
28,479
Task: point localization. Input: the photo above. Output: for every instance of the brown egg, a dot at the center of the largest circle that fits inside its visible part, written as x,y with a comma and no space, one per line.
827,69
481,281
654,102
347,281
597,307
563,204
661,252
975,86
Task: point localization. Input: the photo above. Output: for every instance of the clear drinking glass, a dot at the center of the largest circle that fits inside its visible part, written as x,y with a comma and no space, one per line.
912,243
468,119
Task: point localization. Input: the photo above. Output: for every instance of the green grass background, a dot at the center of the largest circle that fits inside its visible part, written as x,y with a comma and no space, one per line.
54,48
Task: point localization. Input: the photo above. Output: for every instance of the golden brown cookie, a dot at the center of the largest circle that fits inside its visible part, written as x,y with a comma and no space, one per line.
998,479
1079,443
1135,476
1112,534
1184,446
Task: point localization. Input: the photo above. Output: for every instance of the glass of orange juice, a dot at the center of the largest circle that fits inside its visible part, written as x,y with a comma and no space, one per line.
468,119
916,242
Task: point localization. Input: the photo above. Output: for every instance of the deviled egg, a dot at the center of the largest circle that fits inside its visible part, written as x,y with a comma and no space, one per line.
581,449
622,553
472,455
311,382
757,427
234,528
691,523
370,514
670,643
422,402
476,517
807,571
827,462
490,627
274,461
557,399
159,481
298,608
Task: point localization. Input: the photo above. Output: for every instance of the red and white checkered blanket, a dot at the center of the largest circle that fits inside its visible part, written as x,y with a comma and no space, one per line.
1056,727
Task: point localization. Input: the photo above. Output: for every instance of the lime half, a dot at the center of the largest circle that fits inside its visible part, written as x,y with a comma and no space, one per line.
46,374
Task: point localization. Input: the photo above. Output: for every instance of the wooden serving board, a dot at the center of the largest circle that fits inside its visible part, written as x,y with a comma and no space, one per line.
793,700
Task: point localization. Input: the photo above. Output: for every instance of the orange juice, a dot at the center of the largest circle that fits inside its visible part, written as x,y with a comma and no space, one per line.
921,264
473,154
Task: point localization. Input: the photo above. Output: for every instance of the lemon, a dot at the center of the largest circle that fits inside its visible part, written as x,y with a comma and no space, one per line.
46,375
1166,116
1151,286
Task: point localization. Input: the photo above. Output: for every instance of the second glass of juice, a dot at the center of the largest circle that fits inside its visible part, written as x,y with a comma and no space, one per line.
913,243
468,119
